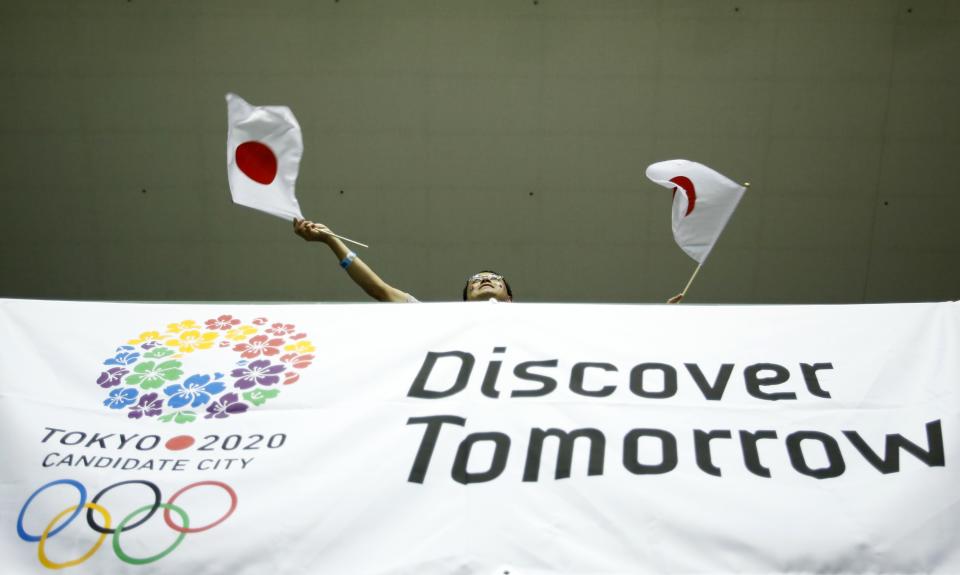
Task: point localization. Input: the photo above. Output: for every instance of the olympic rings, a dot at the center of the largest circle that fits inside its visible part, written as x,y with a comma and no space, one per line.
83,499
42,554
150,509
153,509
183,529
55,526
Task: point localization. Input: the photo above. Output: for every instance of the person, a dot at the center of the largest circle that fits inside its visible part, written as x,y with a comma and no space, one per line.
487,285
482,286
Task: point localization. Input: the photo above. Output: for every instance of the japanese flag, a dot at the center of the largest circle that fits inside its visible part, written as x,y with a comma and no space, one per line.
703,201
264,146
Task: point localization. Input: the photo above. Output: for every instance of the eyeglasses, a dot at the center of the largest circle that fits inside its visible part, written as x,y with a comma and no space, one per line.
477,278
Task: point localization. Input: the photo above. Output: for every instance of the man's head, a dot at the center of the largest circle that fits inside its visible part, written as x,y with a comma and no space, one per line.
487,285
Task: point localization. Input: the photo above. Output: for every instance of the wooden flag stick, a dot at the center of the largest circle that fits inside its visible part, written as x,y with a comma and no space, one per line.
315,228
684,292
349,240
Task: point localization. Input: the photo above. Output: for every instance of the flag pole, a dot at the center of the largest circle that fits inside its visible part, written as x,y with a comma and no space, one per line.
683,294
349,240
330,233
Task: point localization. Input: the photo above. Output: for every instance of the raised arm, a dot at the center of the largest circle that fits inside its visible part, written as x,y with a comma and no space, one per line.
358,271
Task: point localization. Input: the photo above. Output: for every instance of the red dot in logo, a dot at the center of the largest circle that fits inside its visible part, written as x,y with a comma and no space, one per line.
179,442
257,161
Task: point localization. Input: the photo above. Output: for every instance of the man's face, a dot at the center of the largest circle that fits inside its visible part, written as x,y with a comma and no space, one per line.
485,285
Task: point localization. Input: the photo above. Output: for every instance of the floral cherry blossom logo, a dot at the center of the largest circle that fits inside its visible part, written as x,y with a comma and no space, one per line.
149,377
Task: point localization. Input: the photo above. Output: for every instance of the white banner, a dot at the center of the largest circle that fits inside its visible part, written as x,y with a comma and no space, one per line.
479,438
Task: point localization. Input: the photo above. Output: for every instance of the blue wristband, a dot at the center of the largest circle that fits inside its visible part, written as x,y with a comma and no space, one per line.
347,260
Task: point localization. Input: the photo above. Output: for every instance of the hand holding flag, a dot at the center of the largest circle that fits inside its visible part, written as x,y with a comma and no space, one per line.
316,232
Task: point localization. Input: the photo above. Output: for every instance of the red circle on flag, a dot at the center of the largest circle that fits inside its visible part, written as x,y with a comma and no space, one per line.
687,185
257,161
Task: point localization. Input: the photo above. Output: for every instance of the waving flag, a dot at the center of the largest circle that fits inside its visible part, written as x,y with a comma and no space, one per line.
264,147
703,201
